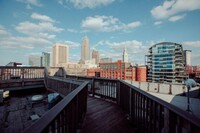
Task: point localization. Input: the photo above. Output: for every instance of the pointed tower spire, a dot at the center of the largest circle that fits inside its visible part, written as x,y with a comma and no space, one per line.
125,55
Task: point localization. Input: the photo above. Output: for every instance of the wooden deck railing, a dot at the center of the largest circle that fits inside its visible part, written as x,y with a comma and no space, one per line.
146,112
11,77
68,113
9,73
151,114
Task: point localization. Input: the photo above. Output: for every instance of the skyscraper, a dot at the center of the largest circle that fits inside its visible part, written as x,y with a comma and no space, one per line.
95,55
45,59
187,57
85,49
60,54
165,63
35,60
125,55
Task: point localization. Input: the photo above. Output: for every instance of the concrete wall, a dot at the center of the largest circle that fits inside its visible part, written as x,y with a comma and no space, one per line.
172,89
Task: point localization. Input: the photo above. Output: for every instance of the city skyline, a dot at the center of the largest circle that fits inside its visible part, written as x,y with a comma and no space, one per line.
31,27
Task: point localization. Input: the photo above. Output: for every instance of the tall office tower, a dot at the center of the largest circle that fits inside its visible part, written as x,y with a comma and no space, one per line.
45,59
95,55
125,55
35,60
85,50
165,63
60,54
187,57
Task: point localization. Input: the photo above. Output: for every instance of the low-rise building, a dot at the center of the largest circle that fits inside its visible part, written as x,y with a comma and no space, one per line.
119,70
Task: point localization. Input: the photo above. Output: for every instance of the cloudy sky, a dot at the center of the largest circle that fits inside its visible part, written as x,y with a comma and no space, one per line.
30,27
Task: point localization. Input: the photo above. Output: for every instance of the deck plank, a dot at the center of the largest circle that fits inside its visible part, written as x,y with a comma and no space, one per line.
106,117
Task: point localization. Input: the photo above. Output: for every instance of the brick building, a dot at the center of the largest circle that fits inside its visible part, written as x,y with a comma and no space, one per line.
119,70
93,72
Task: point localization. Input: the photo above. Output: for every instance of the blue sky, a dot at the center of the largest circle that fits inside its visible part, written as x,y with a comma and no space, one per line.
32,26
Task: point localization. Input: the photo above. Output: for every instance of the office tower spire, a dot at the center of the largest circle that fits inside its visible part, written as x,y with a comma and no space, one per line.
85,50
125,55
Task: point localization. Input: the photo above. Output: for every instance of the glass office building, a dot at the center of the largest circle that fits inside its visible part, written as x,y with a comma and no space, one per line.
165,63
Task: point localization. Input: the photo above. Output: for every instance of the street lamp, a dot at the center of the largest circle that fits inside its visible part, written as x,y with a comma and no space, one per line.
190,83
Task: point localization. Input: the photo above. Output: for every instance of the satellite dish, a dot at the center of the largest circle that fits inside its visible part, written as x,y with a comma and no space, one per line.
191,83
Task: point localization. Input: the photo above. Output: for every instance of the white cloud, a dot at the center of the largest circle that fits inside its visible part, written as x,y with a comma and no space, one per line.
157,22
192,44
32,28
107,24
46,36
174,7
40,40
3,32
41,29
42,17
134,24
23,42
72,44
136,50
131,45
31,2
80,4
46,24
176,18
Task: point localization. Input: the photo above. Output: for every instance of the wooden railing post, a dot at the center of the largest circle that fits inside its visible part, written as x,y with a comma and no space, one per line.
170,89
148,86
118,92
22,72
169,121
130,103
158,88
93,86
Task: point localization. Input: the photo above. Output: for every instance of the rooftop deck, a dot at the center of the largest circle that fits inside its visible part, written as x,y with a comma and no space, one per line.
120,107
16,112
106,117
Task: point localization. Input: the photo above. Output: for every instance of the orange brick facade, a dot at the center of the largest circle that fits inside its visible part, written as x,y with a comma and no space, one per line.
141,74
93,72
119,70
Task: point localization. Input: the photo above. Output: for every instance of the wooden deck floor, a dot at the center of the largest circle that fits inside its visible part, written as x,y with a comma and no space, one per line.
105,117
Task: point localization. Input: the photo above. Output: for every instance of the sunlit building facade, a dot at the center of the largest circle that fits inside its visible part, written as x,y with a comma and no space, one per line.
95,55
60,54
45,59
85,50
187,57
166,63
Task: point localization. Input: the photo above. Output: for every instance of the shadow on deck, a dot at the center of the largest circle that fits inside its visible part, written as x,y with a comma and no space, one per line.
104,116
